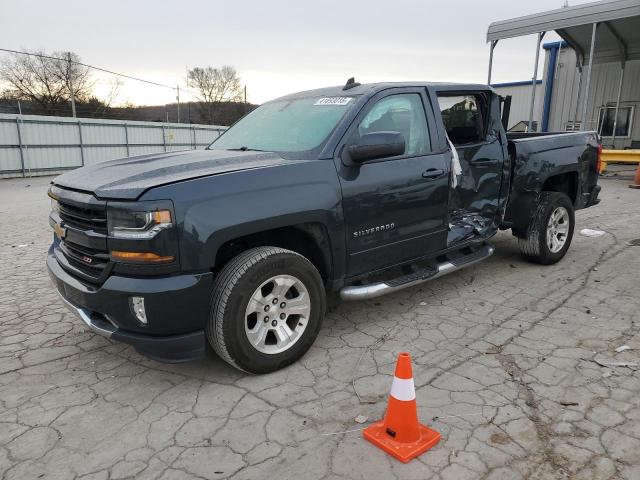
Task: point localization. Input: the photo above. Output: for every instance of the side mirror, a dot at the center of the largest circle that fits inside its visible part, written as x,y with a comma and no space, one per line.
371,146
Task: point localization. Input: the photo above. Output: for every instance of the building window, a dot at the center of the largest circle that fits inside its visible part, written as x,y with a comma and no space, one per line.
606,121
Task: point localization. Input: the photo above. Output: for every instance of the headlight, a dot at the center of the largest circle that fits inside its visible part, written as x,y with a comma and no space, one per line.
137,225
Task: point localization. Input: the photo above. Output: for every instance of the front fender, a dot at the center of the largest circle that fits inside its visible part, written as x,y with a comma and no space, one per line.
214,210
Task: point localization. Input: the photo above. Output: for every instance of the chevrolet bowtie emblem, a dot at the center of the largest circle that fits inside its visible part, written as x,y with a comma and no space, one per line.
60,231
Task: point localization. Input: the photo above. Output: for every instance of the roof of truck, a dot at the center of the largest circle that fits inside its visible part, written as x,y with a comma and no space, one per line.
371,88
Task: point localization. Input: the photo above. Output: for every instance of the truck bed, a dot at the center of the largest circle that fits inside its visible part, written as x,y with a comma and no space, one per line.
565,162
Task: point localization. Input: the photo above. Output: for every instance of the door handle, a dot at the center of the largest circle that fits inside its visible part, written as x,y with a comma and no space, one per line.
433,173
482,161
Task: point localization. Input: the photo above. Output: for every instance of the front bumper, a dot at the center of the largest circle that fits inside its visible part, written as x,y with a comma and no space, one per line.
177,309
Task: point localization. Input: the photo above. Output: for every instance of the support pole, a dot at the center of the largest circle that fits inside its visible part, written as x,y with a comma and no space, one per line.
491,48
21,146
585,100
164,138
178,100
533,81
615,118
81,143
126,139
71,92
579,93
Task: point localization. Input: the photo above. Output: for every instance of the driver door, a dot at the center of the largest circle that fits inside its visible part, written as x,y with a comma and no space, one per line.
395,209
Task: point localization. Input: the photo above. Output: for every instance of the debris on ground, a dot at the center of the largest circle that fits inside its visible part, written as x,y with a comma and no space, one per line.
361,419
588,232
567,403
623,348
613,364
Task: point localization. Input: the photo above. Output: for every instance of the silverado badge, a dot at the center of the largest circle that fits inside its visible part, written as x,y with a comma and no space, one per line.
372,230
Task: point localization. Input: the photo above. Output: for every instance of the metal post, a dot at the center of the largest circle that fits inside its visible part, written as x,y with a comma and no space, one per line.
615,118
178,99
578,95
71,92
491,48
533,80
193,136
164,138
81,143
585,100
126,138
20,145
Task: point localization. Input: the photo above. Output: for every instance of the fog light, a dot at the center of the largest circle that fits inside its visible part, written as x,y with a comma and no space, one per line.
137,307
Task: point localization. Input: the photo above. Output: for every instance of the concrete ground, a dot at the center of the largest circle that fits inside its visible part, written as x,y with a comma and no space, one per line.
508,361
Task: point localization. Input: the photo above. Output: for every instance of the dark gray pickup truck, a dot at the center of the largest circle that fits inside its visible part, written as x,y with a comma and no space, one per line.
358,190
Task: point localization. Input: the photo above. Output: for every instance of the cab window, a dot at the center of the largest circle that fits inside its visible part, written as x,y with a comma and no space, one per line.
463,118
403,113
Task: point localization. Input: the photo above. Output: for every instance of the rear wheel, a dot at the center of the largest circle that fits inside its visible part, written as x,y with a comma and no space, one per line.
550,229
266,310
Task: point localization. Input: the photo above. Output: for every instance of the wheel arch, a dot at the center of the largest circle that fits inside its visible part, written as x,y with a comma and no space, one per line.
566,183
309,239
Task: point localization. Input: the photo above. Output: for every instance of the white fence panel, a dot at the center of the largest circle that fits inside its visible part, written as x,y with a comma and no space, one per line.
41,145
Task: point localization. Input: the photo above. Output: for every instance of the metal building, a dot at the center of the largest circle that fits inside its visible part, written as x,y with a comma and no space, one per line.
591,79
520,93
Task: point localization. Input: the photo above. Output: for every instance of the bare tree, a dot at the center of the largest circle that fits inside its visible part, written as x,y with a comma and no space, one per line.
99,107
214,85
45,79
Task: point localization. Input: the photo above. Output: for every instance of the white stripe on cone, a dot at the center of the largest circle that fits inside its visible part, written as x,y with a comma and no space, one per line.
403,389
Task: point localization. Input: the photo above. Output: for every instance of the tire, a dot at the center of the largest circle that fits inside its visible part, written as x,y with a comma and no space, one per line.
235,290
535,245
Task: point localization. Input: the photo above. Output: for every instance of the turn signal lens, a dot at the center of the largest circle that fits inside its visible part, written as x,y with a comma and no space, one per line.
161,216
140,257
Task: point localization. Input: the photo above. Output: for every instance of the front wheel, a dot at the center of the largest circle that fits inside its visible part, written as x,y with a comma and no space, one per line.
266,309
550,229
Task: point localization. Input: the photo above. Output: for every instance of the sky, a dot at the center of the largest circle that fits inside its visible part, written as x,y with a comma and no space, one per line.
277,46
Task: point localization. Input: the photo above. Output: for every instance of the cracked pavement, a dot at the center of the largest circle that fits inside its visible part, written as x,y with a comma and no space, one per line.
504,356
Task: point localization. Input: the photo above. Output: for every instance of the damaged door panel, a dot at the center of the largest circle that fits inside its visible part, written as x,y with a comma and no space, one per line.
474,130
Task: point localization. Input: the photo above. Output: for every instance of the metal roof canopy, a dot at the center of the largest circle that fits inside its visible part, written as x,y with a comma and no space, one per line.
599,32
620,19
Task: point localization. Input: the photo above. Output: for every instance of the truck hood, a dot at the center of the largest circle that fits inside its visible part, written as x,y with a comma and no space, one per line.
129,178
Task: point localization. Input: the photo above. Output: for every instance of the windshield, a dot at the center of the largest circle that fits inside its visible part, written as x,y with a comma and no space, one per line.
296,125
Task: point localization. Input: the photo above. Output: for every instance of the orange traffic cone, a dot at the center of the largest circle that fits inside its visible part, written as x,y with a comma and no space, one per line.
400,434
636,181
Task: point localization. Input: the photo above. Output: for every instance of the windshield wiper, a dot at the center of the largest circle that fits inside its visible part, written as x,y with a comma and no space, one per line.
245,149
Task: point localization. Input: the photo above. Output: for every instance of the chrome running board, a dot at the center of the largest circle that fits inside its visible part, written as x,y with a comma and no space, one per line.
362,292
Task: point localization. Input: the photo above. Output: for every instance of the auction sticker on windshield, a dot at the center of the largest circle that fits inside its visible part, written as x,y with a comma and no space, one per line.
333,101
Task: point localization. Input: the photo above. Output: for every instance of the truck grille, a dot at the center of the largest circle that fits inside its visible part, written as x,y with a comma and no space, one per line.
89,261
83,250
85,218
